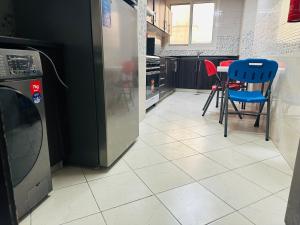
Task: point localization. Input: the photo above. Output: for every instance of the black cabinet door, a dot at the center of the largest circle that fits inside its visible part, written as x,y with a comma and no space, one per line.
186,76
171,64
192,73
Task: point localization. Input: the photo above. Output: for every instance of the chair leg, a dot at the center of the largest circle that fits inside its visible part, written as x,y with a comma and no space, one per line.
217,99
243,105
226,113
261,107
221,108
209,101
236,109
268,120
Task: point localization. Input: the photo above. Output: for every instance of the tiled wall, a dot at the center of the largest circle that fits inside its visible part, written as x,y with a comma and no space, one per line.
248,28
274,38
227,29
6,18
142,30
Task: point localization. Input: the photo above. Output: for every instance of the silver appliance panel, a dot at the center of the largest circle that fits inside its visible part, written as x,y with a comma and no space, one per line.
19,64
120,56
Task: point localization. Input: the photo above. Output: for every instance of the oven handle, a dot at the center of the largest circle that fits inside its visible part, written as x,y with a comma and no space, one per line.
153,68
152,73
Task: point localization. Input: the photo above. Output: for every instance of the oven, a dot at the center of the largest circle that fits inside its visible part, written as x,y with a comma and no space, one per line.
152,80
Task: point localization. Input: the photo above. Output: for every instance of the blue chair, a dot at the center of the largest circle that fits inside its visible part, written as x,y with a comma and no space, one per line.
251,71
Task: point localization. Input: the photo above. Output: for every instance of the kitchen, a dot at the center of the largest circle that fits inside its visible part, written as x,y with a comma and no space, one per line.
135,109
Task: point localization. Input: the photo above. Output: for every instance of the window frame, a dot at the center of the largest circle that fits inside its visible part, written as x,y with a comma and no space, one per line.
191,3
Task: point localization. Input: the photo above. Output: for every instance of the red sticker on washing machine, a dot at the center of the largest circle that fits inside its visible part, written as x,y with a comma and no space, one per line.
35,86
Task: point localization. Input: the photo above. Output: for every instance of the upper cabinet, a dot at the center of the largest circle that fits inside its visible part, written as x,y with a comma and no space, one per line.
150,6
162,17
168,21
162,10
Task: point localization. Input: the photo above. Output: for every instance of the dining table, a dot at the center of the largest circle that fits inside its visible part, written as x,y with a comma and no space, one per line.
224,69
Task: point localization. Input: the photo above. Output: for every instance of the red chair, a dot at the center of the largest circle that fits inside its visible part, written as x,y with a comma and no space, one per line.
211,70
226,62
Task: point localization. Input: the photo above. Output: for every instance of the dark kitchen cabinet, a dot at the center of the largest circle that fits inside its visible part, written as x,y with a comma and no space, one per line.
171,68
186,76
192,73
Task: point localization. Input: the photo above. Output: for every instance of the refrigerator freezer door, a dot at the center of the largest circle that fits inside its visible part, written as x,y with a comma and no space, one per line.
120,65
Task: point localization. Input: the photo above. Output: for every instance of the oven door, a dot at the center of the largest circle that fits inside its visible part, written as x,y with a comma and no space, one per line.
152,88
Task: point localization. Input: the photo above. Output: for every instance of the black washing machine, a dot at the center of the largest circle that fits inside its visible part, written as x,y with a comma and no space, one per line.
22,110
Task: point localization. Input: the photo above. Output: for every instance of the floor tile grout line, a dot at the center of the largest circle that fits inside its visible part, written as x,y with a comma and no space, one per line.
256,203
170,189
127,203
79,218
195,181
228,170
237,211
276,194
65,187
235,171
222,218
267,196
202,154
245,217
275,167
157,197
94,198
271,194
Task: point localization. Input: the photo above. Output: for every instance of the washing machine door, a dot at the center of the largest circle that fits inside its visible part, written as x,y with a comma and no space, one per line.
23,130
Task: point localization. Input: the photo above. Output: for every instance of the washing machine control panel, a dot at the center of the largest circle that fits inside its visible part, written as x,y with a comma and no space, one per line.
19,65
15,64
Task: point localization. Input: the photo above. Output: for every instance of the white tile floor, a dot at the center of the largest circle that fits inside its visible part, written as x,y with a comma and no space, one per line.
180,171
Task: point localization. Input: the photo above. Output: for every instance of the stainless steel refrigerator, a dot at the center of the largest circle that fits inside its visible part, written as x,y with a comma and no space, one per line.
100,68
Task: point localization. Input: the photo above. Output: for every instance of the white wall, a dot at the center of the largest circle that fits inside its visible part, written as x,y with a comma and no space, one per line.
276,39
142,30
227,27
248,28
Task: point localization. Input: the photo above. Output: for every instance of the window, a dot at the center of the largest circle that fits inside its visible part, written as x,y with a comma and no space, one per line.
180,24
203,23
199,30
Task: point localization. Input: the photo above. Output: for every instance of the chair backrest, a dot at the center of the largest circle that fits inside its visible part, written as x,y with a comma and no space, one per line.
253,70
211,69
226,62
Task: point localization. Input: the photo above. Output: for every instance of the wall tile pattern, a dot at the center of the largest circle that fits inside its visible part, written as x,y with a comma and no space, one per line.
274,38
228,17
248,28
